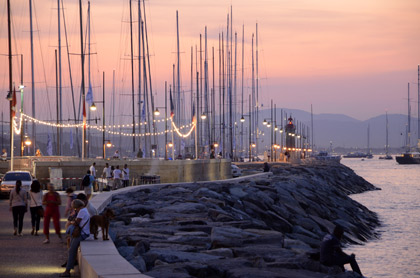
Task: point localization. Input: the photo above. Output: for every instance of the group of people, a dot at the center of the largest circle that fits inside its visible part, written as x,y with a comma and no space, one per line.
78,210
115,177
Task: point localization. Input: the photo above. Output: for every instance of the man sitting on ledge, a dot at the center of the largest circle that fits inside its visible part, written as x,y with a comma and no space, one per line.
331,253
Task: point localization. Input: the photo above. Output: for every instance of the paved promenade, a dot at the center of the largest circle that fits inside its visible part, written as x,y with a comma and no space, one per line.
26,256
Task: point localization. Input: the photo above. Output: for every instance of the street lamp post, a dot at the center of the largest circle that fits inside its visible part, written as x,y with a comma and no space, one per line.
93,108
157,113
249,139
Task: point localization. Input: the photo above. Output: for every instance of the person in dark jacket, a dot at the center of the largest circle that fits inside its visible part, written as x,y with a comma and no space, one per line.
331,253
266,167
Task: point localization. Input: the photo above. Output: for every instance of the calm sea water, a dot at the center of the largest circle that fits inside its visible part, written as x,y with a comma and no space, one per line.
396,253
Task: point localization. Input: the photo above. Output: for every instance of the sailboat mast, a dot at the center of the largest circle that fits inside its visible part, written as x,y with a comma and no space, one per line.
418,107
386,143
368,139
257,84
235,97
89,81
139,64
10,95
132,78
146,51
409,120
242,90
57,99
253,94
59,77
312,128
83,81
32,77
178,85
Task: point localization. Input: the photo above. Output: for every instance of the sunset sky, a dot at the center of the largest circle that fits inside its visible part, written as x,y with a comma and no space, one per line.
352,57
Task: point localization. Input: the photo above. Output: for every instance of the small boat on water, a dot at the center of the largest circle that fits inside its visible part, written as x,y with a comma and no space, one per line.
323,155
409,158
386,157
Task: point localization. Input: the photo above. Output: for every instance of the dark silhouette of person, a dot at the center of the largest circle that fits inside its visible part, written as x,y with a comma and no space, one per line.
266,167
331,253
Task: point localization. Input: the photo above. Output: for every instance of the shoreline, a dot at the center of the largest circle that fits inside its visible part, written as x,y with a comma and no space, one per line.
258,227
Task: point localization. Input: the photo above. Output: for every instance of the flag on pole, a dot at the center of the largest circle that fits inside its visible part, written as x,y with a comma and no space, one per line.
84,115
49,144
194,117
14,103
71,139
89,96
172,103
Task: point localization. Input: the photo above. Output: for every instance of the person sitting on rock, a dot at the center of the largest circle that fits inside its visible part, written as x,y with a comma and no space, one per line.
331,253
266,167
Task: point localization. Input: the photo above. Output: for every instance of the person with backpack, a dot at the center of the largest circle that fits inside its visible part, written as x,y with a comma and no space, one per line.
87,184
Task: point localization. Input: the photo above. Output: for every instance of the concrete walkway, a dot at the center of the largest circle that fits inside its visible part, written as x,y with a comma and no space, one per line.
26,256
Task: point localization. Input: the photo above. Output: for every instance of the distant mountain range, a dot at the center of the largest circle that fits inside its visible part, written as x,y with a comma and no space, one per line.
346,132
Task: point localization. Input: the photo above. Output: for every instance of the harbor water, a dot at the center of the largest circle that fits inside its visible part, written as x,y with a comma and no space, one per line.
396,253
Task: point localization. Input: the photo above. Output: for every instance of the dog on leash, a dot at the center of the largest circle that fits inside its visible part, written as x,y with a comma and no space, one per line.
101,221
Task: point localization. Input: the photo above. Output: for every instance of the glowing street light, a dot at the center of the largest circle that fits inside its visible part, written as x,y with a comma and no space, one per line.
28,141
157,113
93,107
203,116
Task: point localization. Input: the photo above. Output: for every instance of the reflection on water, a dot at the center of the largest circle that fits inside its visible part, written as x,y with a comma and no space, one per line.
397,253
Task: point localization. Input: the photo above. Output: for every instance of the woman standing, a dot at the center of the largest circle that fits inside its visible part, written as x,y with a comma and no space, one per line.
52,201
35,204
18,206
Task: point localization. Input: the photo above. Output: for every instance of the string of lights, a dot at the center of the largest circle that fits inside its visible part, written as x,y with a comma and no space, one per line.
107,129
186,134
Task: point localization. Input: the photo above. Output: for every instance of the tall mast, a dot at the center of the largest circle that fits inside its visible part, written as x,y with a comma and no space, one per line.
409,120
223,100
89,81
253,95
201,133
386,143
242,88
132,78
418,107
368,146
235,99
57,99
206,91
32,77
83,81
178,85
220,94
9,33
192,82
113,100
213,105
312,128
139,62
257,85
229,95
59,76
146,51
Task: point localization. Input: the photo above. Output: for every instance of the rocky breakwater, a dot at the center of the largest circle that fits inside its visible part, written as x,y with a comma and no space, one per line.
261,227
